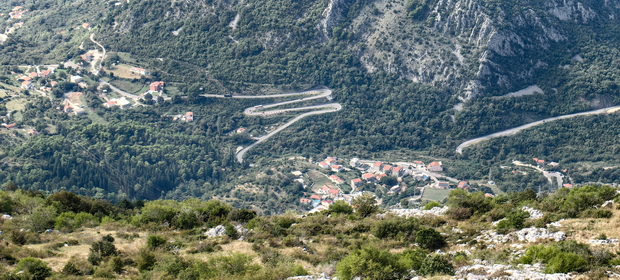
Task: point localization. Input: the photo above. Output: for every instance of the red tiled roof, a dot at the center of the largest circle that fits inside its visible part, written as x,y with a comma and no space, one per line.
368,175
434,163
333,191
315,196
378,163
356,180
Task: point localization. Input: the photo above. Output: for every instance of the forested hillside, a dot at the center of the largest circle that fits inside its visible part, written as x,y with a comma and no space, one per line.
416,77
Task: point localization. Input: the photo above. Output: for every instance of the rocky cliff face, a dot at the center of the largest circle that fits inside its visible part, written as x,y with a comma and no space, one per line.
470,46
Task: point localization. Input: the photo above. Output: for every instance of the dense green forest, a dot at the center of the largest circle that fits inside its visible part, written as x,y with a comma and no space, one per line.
276,45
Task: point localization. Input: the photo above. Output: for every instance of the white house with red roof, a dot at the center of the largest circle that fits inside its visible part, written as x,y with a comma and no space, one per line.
386,169
369,177
435,166
324,165
336,179
333,192
356,183
398,171
462,185
337,168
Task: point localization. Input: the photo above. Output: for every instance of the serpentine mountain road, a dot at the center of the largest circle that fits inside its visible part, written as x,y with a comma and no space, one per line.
515,130
259,110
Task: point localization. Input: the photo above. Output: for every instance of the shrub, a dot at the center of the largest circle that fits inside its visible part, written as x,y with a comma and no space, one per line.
514,220
370,263
390,228
431,205
155,241
565,262
365,205
430,239
340,207
435,264
33,269
459,213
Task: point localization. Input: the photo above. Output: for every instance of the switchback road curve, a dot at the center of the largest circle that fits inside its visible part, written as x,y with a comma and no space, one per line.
262,110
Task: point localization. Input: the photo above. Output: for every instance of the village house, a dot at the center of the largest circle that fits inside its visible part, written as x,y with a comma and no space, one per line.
435,166
387,169
370,177
443,185
140,71
189,117
336,179
46,73
568,186
327,203
76,79
331,160
398,171
242,130
356,183
315,197
110,104
333,192
418,164
380,176
539,162
354,162
336,168
376,167
156,86
489,195
305,201
27,85
323,190
462,185
324,165
33,74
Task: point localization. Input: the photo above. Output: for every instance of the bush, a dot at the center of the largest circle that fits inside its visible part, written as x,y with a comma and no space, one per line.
370,263
33,269
430,239
564,262
435,264
431,204
459,213
155,241
390,228
514,220
340,207
365,205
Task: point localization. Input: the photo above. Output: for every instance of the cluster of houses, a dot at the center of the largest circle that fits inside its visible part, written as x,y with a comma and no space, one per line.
17,12
325,196
331,163
28,80
378,170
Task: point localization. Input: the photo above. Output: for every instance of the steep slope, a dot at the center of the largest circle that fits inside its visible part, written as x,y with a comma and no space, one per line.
477,46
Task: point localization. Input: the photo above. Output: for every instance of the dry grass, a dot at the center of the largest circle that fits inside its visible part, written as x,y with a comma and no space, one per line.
16,105
583,230
122,71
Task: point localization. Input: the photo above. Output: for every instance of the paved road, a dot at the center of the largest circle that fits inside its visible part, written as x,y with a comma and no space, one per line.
119,91
516,130
259,110
550,175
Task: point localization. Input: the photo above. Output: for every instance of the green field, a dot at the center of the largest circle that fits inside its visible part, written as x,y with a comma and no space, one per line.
435,194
